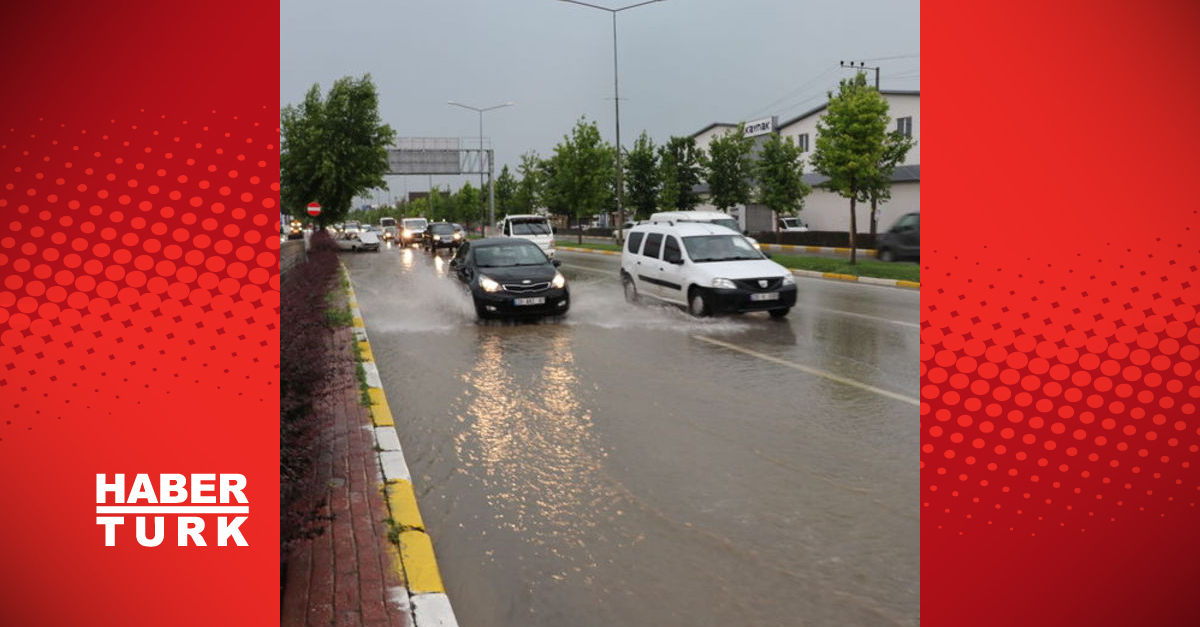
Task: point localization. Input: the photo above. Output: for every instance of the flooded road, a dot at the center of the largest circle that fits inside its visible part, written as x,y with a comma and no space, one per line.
632,465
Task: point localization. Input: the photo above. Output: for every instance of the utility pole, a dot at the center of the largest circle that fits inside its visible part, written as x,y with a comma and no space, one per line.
862,65
616,100
490,202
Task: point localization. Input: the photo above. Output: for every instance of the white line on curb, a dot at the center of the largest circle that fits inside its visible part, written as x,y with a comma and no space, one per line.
433,610
394,466
811,370
386,439
372,372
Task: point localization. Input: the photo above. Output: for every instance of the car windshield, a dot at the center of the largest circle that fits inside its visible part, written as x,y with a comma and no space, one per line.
504,256
415,224
702,248
530,227
442,229
387,222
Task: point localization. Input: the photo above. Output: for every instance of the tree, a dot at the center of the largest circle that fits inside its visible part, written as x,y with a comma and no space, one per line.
580,173
680,171
528,194
895,147
465,206
779,170
850,144
642,178
729,168
506,191
333,148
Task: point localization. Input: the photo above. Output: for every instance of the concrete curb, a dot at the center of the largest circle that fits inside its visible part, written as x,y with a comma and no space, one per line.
829,276
411,549
789,248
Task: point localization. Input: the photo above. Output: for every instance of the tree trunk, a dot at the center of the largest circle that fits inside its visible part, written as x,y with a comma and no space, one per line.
873,219
853,232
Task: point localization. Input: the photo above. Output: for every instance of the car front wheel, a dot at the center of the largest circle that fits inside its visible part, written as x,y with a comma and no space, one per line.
698,303
631,293
779,314
887,254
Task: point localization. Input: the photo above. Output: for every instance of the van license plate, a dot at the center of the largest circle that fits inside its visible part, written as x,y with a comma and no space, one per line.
765,296
540,300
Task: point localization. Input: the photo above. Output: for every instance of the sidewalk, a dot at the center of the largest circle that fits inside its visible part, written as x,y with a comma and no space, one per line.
346,576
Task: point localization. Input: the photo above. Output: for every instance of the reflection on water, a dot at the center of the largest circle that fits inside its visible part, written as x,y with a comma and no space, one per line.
531,444
407,257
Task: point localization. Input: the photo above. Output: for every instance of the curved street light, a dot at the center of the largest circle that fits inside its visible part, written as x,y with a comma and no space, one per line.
491,199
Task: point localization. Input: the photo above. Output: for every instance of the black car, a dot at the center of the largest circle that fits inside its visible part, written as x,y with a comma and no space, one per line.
441,235
511,277
901,241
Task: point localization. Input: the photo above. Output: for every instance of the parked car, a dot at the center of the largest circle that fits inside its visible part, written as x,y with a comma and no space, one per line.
704,268
619,234
902,241
792,225
441,235
357,240
412,229
532,228
511,277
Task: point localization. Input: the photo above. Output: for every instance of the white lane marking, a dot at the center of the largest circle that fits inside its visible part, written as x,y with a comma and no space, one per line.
858,315
810,370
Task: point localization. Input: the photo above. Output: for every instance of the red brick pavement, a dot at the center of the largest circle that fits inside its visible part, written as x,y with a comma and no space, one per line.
343,577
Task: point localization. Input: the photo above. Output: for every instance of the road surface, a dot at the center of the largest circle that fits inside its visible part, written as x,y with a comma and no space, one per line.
630,465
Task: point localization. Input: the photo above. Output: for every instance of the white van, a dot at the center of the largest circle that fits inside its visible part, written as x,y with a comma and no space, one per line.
704,217
705,268
412,230
534,228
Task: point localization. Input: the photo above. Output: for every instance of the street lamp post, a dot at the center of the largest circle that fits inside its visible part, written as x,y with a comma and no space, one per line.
491,198
616,100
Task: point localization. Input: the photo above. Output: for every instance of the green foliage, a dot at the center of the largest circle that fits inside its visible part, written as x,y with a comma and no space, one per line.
466,207
680,171
333,148
642,178
729,168
579,177
779,170
506,192
851,144
850,138
528,194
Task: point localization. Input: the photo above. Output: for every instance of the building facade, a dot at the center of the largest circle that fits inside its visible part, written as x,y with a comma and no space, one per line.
825,210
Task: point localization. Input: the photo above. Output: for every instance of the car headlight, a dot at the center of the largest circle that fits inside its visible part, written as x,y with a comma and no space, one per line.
407,232
559,280
458,236
488,284
437,238
723,284
788,279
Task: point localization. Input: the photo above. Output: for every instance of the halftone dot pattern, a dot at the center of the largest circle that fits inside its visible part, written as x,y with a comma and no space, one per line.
121,261
1061,398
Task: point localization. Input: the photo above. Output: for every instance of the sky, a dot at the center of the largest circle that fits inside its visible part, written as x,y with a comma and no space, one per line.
683,64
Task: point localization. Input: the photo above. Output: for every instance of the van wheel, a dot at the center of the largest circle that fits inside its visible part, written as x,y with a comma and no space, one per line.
887,255
697,303
780,314
631,293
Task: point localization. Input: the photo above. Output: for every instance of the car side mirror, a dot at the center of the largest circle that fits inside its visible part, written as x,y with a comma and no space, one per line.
556,262
454,263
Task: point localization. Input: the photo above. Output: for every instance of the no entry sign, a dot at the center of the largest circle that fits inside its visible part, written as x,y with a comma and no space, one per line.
314,209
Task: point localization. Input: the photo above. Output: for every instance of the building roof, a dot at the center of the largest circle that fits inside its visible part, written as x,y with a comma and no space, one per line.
815,110
711,126
902,174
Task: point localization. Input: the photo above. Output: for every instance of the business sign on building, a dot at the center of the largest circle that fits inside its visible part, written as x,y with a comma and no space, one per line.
760,127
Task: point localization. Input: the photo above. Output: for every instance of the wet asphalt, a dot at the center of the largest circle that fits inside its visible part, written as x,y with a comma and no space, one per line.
631,465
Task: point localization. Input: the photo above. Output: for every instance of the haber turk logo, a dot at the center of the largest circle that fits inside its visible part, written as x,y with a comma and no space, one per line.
185,499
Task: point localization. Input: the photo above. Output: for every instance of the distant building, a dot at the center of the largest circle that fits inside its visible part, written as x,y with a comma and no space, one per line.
825,210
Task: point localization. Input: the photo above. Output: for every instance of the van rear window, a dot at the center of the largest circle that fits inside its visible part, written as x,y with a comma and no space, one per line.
530,227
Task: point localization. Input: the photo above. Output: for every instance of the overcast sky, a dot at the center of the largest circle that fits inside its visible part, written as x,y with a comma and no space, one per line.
683,63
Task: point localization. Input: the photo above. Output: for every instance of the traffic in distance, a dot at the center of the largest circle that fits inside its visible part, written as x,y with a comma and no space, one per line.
696,260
